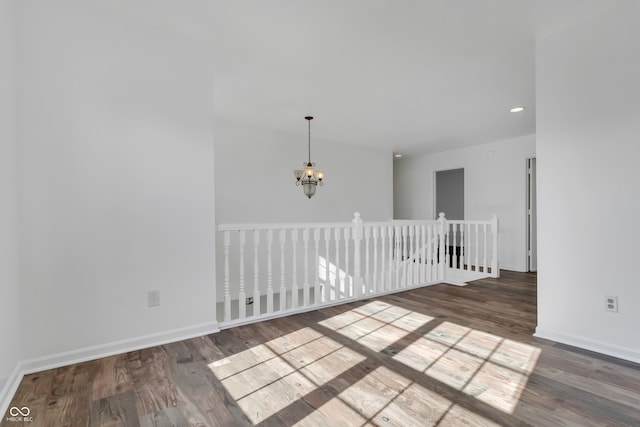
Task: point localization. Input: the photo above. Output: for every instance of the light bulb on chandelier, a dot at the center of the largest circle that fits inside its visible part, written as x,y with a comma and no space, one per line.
309,177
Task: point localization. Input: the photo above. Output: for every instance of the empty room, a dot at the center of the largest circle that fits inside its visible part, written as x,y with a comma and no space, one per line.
284,212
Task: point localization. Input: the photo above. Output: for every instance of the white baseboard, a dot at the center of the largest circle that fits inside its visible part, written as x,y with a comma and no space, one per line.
626,353
454,276
86,354
291,312
9,389
455,282
517,269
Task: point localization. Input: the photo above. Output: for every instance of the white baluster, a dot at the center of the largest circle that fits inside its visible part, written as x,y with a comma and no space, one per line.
415,262
477,236
357,267
338,289
484,254
375,260
316,285
383,260
305,292
348,285
405,257
327,280
294,284
418,256
430,239
410,256
417,266
398,250
462,246
456,248
441,246
227,288
269,272
447,256
256,274
423,255
283,288
367,276
392,241
495,268
242,296
470,246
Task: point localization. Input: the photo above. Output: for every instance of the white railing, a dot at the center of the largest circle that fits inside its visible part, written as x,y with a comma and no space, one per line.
472,246
272,270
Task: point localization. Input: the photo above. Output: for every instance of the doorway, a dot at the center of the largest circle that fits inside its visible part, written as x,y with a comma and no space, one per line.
450,193
532,217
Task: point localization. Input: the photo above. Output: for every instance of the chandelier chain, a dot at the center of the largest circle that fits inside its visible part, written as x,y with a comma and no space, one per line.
309,140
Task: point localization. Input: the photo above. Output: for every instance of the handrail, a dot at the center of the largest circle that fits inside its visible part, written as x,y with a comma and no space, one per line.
412,222
283,226
464,221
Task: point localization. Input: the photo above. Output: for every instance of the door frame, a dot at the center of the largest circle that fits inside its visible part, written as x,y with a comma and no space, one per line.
434,190
527,243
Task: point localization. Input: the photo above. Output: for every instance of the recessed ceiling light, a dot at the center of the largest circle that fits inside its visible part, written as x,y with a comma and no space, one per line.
397,155
517,109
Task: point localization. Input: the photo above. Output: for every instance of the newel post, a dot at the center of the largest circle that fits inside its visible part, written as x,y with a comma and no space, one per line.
495,268
442,259
357,241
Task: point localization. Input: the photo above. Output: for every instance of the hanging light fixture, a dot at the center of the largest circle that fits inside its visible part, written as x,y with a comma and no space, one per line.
309,177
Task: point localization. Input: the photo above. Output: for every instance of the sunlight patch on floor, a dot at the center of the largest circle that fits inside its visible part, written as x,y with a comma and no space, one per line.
269,377
376,325
388,398
503,377
241,361
263,402
488,367
326,415
460,416
385,398
272,376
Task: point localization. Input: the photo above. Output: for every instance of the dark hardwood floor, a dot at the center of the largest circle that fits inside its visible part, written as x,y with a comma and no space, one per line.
440,355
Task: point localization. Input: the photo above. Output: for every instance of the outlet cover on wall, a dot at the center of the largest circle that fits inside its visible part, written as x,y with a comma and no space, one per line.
611,304
153,298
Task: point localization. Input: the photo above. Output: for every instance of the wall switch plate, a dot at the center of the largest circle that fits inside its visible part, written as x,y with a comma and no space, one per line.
153,298
611,304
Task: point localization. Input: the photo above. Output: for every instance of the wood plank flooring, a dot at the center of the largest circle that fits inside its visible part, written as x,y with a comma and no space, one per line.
440,355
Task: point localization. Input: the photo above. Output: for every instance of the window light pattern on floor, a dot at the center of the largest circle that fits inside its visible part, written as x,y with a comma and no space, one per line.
268,377
490,368
273,376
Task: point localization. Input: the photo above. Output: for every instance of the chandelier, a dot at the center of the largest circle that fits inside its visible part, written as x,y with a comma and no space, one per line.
309,177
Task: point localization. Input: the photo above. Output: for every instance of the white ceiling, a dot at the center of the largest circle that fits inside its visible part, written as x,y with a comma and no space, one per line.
412,76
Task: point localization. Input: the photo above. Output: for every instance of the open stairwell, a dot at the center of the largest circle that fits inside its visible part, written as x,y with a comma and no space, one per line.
273,270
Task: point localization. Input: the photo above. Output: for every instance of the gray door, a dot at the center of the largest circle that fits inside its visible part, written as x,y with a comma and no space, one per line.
532,241
450,193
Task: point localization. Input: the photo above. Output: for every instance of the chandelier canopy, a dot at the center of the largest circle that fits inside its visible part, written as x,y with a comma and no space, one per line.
309,177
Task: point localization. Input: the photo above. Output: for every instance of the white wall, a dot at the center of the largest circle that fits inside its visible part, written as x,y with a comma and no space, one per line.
116,180
10,337
588,133
255,181
495,182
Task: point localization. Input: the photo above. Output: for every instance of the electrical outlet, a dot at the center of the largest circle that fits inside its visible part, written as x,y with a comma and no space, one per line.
611,304
153,298
249,301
